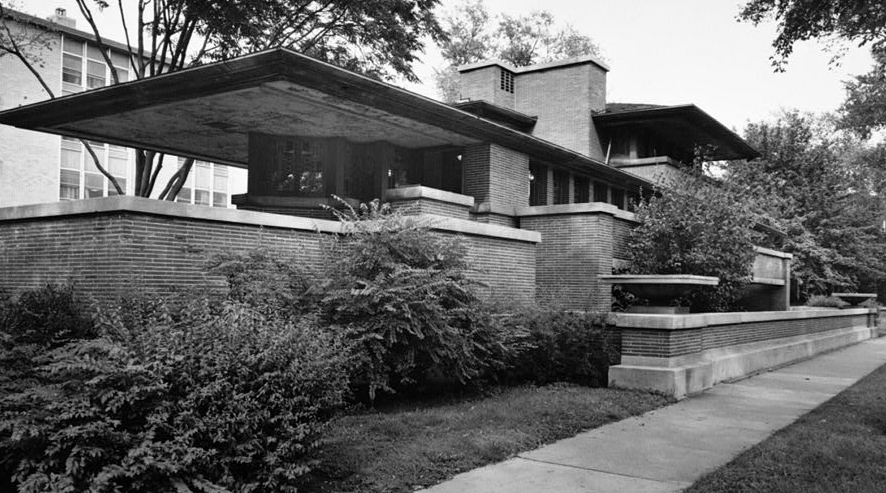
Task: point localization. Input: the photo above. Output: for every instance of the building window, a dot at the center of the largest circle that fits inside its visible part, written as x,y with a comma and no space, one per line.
79,176
538,184
633,201
601,192
618,197
453,170
506,80
299,168
207,184
582,190
72,66
561,187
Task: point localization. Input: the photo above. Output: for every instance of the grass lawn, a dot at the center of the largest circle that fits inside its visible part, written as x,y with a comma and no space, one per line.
398,450
838,447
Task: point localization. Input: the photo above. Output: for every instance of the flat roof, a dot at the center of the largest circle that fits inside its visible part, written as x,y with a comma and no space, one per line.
207,112
535,67
686,123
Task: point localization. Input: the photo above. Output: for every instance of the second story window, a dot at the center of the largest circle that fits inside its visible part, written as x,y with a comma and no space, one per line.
561,187
507,81
72,66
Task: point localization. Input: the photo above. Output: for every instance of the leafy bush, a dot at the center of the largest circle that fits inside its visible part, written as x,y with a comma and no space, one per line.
262,279
697,228
401,295
560,346
30,325
825,301
206,398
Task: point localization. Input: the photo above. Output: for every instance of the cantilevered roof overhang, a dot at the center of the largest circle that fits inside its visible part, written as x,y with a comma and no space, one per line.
684,124
208,111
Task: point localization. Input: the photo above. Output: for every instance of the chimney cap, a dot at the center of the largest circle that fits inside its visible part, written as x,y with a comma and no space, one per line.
59,11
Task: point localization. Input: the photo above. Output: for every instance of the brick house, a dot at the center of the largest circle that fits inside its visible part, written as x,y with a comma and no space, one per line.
532,167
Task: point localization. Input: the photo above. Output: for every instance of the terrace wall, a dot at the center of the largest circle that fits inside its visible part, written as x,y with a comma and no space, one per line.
113,245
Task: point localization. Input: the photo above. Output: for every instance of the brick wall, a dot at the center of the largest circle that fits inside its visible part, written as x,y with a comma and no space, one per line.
431,206
496,175
671,343
485,84
578,244
106,253
563,99
29,161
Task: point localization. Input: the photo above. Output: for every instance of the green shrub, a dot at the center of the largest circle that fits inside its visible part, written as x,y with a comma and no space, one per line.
400,294
262,279
32,324
697,228
825,301
560,346
209,397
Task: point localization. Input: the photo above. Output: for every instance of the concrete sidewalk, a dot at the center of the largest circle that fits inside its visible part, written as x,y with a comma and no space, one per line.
668,449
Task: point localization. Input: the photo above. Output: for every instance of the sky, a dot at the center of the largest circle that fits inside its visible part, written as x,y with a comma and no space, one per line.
660,52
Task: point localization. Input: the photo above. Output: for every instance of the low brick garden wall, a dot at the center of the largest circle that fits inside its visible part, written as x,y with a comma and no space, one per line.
113,245
684,354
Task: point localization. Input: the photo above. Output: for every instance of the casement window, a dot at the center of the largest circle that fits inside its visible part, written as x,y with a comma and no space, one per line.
207,184
79,178
582,190
538,184
561,187
601,192
618,198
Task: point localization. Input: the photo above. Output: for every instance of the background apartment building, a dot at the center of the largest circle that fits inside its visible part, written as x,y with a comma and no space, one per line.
38,167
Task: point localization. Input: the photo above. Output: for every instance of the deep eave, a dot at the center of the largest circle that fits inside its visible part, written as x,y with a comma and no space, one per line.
731,146
61,115
507,116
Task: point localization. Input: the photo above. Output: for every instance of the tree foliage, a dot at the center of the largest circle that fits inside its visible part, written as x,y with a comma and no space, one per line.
699,228
822,188
472,35
861,21
864,109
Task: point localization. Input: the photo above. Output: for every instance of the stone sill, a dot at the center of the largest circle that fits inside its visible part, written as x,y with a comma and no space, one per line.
567,209
700,320
414,192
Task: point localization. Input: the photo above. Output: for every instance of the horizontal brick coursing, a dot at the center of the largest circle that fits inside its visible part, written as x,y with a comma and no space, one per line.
575,249
108,254
672,343
431,206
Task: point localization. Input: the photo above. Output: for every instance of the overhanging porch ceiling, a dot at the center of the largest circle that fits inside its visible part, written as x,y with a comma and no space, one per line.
215,127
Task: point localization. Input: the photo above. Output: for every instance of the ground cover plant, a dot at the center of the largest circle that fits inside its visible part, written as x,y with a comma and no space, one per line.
420,444
837,447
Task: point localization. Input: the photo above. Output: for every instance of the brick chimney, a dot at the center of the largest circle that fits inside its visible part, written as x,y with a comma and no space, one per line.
61,17
563,94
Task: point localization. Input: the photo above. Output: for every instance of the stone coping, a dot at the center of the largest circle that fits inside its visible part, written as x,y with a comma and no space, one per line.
644,161
143,205
534,68
768,281
291,201
413,192
566,209
772,253
661,279
700,320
